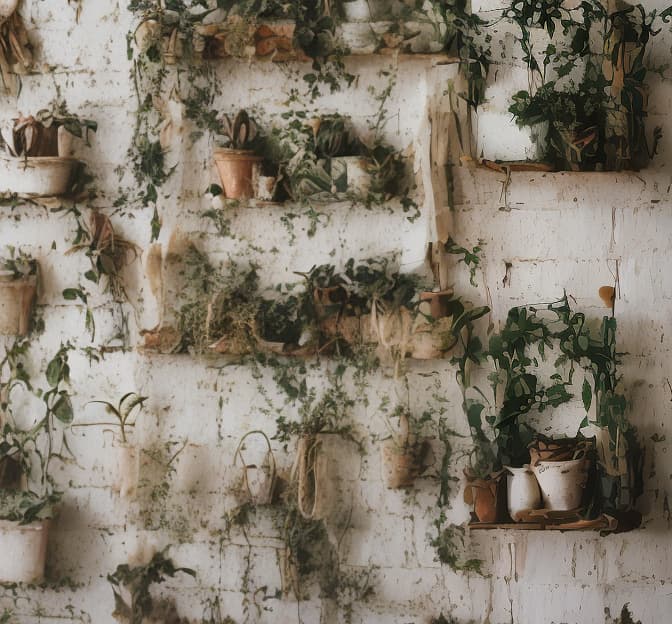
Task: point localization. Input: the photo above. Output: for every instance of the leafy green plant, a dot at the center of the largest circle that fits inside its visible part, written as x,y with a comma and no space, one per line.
122,412
450,546
465,35
516,379
241,132
34,449
599,122
325,413
20,264
131,586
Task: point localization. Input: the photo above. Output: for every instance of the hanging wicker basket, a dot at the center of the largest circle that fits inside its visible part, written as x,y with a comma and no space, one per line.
310,474
259,481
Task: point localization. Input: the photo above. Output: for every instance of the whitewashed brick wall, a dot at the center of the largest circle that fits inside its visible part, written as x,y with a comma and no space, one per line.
558,231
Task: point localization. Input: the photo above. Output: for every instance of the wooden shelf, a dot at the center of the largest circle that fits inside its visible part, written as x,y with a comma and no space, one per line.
546,520
528,166
600,524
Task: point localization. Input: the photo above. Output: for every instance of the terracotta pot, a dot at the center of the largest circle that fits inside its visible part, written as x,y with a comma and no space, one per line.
485,494
436,303
275,40
401,464
16,304
236,170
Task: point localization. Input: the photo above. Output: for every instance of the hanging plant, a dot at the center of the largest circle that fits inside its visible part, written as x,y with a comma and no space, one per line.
16,51
404,454
108,253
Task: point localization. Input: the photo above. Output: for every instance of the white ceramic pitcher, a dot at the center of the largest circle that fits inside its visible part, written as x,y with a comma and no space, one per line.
522,491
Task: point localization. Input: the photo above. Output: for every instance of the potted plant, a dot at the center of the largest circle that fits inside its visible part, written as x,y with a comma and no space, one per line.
236,162
404,453
27,506
38,158
598,477
18,287
319,418
589,106
131,585
405,326
125,414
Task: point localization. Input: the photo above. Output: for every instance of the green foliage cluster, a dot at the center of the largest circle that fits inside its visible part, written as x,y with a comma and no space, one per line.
309,154
217,304
30,452
501,436
137,581
597,122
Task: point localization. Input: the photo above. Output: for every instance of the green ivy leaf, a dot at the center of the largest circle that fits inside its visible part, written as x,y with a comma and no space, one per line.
586,395
63,409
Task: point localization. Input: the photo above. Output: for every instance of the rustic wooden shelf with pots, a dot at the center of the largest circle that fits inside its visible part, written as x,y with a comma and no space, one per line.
273,41
546,520
528,166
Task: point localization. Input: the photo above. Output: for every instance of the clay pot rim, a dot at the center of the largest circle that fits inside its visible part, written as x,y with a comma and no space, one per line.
7,277
225,153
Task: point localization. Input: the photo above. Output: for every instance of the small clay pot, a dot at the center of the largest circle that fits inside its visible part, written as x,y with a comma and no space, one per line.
236,171
485,496
276,40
